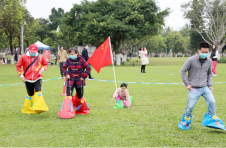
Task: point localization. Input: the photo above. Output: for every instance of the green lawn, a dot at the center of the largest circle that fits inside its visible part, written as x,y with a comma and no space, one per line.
151,121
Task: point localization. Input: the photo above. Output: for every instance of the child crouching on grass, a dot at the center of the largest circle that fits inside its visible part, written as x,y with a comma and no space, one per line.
122,97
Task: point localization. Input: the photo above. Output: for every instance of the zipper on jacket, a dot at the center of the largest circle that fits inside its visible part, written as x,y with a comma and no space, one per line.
32,70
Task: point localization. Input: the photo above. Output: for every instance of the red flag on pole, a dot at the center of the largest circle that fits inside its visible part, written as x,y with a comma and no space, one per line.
102,56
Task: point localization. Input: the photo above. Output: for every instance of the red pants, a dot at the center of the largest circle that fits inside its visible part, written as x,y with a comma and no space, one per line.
214,69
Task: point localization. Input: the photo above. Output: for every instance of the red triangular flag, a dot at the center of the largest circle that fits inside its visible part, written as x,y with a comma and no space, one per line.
102,56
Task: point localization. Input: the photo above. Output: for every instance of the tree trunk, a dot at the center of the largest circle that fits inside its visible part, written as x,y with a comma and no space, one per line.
27,43
11,43
118,58
118,51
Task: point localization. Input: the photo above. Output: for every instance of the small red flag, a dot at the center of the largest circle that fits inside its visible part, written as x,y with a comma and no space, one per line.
102,56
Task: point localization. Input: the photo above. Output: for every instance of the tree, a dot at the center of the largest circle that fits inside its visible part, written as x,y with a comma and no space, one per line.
43,32
3,40
164,32
93,22
56,18
11,17
185,30
210,18
154,43
30,31
175,41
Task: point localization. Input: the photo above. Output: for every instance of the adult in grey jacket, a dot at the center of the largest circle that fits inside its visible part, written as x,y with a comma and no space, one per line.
198,82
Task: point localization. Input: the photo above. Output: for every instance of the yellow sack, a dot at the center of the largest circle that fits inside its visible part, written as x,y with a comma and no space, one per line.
39,105
28,106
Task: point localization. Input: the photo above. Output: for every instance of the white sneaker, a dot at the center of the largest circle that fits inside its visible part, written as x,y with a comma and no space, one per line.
214,74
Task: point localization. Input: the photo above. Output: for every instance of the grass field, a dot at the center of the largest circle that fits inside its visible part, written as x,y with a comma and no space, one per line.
151,121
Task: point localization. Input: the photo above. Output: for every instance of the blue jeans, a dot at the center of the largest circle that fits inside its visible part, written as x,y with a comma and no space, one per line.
193,98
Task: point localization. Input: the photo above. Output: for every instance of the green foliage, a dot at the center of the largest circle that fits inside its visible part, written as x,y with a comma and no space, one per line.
30,32
175,41
93,22
3,41
43,32
12,14
55,18
185,31
222,60
154,43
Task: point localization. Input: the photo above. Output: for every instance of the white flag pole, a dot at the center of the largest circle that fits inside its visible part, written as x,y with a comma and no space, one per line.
112,63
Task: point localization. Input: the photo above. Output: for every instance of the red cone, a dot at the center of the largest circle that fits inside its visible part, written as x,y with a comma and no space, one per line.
64,88
67,110
80,105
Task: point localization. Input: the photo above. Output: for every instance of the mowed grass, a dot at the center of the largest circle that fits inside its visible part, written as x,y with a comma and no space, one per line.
151,121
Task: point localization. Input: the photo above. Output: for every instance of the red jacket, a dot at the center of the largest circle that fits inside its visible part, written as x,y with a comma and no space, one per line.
32,73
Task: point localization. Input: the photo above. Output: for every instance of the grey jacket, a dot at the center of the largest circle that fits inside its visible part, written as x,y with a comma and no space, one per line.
198,76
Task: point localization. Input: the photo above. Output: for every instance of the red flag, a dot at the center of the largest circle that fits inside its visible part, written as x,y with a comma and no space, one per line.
102,56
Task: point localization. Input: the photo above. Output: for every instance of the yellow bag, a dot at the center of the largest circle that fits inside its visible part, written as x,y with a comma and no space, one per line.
28,106
39,105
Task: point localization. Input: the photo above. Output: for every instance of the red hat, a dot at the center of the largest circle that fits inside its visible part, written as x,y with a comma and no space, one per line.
33,48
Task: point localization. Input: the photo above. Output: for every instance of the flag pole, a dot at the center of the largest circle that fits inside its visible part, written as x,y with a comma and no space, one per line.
112,63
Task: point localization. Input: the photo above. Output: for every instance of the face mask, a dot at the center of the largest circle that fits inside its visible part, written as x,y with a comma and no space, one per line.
87,47
73,57
33,54
204,55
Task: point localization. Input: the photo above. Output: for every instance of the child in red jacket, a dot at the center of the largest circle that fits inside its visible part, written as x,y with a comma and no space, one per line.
34,64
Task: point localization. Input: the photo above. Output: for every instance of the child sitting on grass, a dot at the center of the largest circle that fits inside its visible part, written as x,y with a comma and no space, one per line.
122,97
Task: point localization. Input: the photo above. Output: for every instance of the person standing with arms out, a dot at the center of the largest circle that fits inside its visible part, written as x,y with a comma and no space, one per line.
34,64
61,59
86,57
214,56
144,58
4,57
199,83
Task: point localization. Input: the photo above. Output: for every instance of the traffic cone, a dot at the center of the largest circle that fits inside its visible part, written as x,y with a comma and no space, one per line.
64,88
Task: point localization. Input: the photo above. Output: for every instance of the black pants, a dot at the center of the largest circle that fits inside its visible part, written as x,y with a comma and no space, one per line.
33,86
90,74
61,69
143,68
4,60
79,91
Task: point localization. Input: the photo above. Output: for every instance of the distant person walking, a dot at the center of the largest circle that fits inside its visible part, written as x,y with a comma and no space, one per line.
214,56
62,56
131,54
4,57
86,57
16,57
144,58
